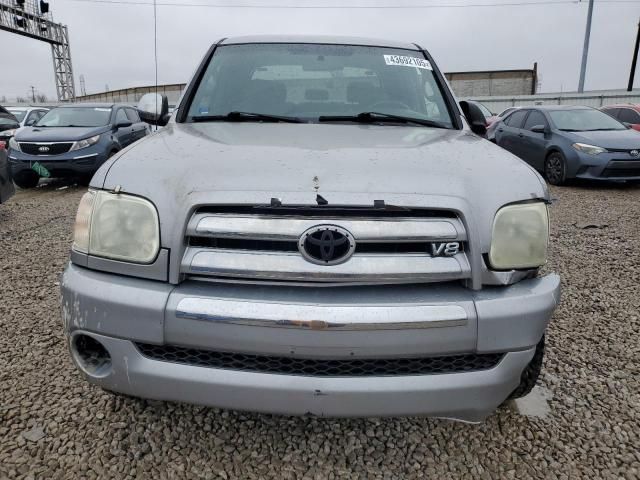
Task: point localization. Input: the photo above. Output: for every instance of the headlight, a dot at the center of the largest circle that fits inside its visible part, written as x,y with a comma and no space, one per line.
87,142
520,236
9,133
117,226
13,145
588,149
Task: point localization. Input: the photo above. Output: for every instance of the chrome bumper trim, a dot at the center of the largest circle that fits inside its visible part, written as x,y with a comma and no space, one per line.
307,316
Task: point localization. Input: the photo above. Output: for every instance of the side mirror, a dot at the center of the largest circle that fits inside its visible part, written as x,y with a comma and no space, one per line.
154,109
477,122
539,129
122,125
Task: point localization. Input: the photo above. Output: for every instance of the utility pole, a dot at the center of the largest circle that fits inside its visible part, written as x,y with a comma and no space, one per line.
585,48
634,60
33,94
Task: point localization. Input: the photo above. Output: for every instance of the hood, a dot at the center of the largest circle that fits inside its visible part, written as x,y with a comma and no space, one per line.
185,165
610,139
58,134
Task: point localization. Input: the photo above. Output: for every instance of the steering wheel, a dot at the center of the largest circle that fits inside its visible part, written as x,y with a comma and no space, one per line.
389,103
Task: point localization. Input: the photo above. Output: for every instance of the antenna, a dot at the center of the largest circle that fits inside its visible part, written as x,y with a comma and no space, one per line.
155,54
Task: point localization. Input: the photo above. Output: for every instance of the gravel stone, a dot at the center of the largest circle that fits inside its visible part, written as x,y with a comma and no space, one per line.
591,369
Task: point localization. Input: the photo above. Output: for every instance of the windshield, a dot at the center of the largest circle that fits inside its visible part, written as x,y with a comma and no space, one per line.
485,111
584,120
76,117
307,81
7,121
19,114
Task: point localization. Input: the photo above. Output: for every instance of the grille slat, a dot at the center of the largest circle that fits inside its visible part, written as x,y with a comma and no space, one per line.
53,148
321,367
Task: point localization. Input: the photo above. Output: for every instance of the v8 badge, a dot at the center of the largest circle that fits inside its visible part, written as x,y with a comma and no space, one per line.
442,249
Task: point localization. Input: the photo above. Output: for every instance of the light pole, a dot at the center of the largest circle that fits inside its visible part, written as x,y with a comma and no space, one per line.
585,48
634,60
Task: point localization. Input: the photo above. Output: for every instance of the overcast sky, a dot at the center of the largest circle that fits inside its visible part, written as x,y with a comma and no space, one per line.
113,44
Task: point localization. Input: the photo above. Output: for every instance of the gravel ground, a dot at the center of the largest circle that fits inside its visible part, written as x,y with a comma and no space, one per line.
53,424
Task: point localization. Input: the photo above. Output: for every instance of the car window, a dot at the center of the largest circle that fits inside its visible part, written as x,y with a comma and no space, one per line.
312,80
6,121
614,112
629,116
506,111
516,118
584,120
535,118
35,115
121,116
132,115
76,117
19,114
485,111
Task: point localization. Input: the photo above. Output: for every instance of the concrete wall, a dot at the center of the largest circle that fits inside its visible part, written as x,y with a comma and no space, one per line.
132,95
591,99
508,82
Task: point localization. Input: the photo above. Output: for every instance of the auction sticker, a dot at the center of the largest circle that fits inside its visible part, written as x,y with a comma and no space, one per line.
405,61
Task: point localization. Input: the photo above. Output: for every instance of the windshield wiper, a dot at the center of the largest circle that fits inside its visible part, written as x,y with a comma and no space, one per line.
246,117
371,117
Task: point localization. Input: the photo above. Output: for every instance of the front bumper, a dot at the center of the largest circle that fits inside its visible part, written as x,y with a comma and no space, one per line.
118,311
613,166
86,160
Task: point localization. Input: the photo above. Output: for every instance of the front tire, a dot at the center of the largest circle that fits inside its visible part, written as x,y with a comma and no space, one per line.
26,179
530,374
555,169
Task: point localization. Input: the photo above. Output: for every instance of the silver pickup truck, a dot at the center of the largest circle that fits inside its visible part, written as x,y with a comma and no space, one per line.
317,229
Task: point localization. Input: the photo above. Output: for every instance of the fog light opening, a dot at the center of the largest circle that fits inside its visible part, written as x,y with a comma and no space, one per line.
91,356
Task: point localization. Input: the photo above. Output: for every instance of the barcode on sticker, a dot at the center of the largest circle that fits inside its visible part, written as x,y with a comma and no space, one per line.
405,61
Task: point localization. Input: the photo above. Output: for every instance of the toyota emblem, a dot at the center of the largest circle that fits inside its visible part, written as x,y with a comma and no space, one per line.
634,153
326,245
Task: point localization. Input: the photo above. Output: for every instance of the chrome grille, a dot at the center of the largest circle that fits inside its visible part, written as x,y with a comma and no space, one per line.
264,245
45,148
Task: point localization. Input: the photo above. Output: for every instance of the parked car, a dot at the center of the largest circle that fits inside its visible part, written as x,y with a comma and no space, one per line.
8,125
568,142
625,113
73,140
6,185
493,125
29,115
488,114
311,234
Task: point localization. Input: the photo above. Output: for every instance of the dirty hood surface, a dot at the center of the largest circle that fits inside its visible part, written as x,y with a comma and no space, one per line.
185,165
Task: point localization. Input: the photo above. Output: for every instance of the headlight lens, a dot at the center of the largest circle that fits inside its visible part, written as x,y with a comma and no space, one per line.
520,236
117,226
87,142
9,133
588,149
13,145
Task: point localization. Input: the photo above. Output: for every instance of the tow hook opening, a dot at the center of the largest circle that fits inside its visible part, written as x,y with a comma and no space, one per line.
91,356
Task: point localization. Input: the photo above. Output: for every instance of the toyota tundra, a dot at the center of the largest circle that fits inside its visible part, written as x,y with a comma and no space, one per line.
319,229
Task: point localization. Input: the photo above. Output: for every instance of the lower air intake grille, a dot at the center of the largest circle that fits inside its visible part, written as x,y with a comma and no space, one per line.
621,172
321,367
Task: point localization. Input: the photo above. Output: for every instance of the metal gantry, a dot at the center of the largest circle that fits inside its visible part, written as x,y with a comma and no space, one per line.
25,18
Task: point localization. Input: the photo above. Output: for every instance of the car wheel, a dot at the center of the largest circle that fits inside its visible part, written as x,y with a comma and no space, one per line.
26,179
555,169
530,375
